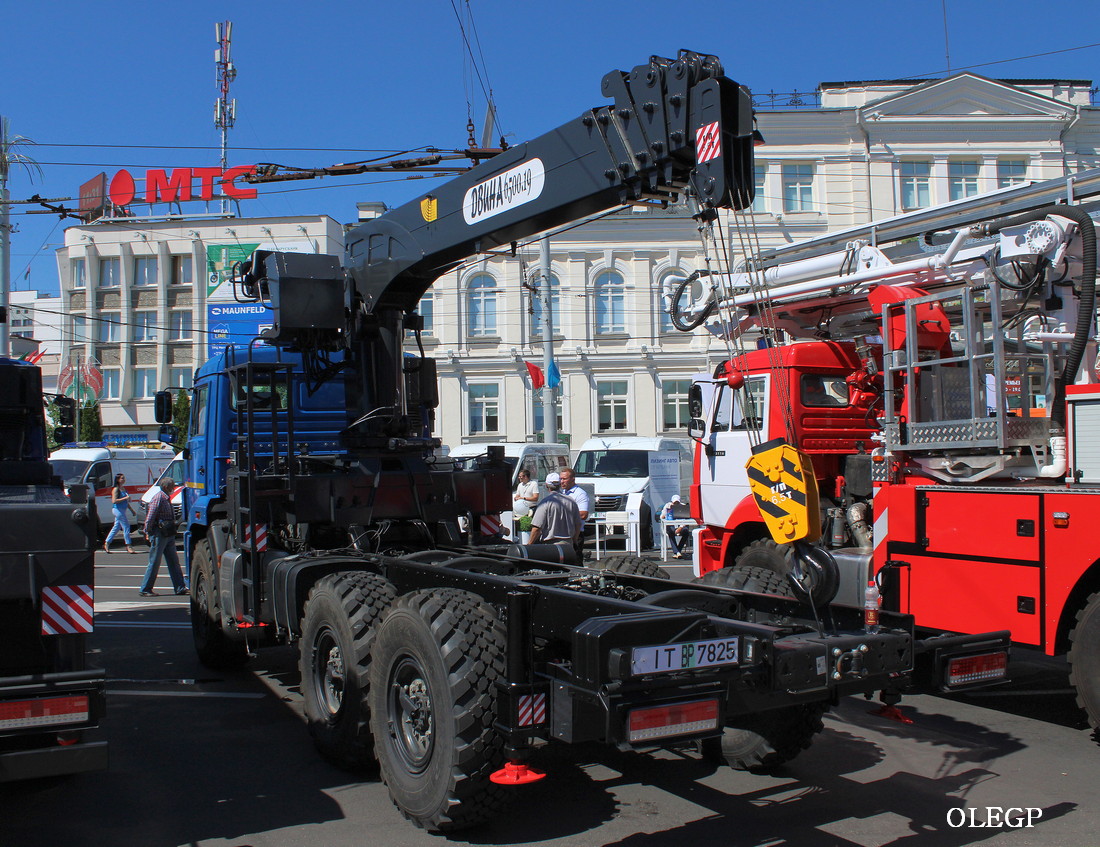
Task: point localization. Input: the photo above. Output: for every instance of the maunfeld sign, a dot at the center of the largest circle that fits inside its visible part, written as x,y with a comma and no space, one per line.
505,191
179,186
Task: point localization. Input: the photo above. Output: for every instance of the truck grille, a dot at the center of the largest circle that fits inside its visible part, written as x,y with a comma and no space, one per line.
609,503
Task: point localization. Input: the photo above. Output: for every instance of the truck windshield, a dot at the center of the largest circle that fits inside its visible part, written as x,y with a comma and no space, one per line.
70,470
621,463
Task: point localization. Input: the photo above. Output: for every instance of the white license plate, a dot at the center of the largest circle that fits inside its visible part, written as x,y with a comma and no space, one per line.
663,658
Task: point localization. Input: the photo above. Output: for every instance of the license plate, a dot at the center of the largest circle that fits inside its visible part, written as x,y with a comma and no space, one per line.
664,658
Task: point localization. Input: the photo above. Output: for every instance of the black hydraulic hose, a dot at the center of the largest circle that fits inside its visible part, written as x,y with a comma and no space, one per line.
1086,310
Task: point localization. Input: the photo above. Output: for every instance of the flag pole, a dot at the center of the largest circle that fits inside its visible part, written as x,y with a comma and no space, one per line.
549,409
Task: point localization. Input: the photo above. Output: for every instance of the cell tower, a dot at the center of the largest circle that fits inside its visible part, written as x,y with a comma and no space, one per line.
225,109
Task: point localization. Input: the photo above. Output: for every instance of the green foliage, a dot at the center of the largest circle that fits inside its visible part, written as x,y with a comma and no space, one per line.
91,427
181,414
51,425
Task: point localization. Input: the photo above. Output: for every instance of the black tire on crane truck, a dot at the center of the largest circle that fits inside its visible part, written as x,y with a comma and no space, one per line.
338,627
823,580
1084,659
438,656
764,741
635,565
215,649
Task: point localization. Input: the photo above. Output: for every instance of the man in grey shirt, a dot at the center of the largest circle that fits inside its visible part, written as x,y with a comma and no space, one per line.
557,520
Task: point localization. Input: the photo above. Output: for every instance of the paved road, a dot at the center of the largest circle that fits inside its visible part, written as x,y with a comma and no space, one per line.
206,759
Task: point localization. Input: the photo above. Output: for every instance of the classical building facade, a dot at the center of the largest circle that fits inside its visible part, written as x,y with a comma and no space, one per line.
144,302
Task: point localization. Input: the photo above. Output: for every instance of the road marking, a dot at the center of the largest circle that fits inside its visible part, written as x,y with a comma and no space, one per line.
143,625
136,605
232,695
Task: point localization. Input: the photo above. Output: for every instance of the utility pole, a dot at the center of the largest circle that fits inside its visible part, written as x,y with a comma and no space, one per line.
549,408
225,109
8,157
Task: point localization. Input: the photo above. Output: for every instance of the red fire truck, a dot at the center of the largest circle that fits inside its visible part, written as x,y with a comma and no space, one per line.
939,370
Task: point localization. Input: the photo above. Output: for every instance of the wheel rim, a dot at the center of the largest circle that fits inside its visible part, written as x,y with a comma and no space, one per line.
329,674
410,718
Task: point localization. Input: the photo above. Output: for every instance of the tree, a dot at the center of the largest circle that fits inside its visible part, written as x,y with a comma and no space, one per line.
181,414
91,427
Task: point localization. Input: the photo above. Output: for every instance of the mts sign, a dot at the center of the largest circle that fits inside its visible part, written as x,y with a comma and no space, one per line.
179,185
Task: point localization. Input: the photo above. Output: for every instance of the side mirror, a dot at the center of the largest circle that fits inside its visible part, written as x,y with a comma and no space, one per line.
697,429
66,412
695,401
64,434
162,407
168,433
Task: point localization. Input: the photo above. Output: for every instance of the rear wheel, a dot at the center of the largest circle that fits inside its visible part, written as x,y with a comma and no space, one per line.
755,579
636,565
1084,659
767,740
338,628
437,660
213,645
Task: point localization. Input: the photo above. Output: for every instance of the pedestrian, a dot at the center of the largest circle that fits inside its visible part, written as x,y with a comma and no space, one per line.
122,509
160,529
575,493
523,502
557,520
677,535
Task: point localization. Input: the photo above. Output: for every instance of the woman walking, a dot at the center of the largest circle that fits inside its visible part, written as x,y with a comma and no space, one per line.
120,506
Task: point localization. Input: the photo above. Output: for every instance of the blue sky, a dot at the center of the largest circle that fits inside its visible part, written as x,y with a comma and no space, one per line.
132,84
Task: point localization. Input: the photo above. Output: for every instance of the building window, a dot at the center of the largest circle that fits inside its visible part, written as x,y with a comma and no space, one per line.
145,326
1011,172
111,380
538,415
109,326
180,378
109,274
670,281
484,408
145,382
610,303
481,297
674,401
916,185
180,327
612,399
798,188
145,271
80,273
962,179
181,270
79,329
555,308
758,173
426,309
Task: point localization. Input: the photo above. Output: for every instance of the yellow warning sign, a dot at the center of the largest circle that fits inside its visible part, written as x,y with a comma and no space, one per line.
429,208
781,478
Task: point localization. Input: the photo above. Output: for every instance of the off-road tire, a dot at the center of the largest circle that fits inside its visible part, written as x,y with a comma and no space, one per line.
1084,659
214,647
764,741
438,656
755,579
765,553
635,565
338,627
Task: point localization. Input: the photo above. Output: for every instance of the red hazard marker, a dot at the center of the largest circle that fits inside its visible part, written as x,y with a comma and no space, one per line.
516,773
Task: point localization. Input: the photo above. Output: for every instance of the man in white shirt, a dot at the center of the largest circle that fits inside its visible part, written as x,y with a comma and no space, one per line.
574,492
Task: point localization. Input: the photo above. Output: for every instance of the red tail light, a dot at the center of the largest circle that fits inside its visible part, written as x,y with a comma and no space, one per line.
43,711
982,668
658,722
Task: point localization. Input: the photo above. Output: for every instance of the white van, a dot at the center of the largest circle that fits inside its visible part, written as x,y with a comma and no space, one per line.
95,465
175,472
536,458
636,475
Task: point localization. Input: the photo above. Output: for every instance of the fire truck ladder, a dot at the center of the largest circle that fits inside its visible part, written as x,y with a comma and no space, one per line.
264,410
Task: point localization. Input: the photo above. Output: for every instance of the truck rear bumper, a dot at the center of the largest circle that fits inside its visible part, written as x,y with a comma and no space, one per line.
53,761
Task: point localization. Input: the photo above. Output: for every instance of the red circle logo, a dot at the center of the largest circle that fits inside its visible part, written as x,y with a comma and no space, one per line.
122,189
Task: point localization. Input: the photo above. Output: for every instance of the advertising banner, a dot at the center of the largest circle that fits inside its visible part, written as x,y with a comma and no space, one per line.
234,323
221,259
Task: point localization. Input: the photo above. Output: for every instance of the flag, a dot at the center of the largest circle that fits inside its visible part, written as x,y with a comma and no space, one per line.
553,375
537,379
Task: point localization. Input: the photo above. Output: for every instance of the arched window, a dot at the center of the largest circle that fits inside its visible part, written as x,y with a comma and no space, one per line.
555,307
610,303
481,301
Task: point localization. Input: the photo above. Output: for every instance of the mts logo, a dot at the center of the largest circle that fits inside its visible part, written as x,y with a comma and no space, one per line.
179,185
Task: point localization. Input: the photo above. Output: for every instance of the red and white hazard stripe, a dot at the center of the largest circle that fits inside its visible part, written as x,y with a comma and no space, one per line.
67,610
491,525
261,536
708,143
532,709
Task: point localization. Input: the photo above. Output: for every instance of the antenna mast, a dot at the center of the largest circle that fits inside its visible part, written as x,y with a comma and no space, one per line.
225,109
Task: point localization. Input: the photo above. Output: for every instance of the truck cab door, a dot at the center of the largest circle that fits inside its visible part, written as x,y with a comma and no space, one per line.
734,421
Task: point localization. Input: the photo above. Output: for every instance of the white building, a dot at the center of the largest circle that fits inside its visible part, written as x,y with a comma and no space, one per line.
868,151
